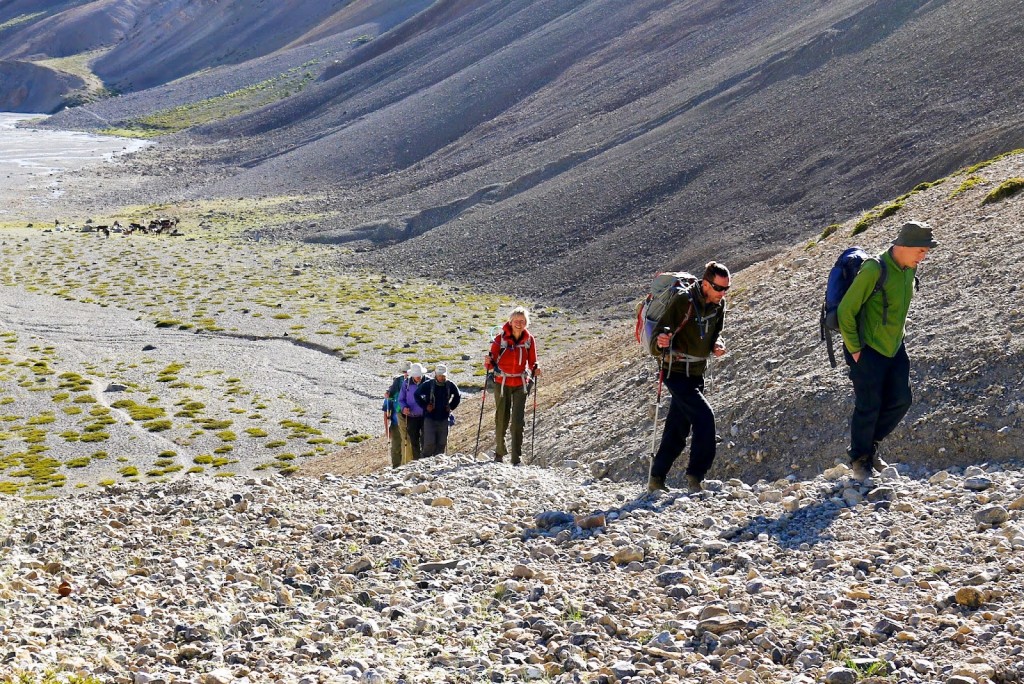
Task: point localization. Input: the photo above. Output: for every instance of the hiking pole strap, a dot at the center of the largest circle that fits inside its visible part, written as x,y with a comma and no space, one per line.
831,350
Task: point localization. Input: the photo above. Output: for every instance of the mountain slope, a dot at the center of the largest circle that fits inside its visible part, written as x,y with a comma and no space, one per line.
568,149
780,408
661,133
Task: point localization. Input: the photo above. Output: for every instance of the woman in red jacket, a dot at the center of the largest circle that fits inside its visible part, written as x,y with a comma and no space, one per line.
513,359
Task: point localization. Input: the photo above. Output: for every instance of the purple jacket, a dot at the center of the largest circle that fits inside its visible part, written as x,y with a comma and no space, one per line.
407,399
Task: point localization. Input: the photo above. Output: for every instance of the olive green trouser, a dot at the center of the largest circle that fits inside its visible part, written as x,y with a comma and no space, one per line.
510,411
396,446
403,432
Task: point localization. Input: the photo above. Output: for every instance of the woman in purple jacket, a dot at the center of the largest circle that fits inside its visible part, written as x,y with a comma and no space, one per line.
412,414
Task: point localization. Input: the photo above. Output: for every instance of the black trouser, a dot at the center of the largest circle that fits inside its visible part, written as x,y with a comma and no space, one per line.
689,411
414,424
435,437
882,397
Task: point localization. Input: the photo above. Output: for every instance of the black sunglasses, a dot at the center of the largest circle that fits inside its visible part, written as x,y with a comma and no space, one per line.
716,287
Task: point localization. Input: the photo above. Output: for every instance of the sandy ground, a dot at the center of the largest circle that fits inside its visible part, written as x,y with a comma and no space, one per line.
36,165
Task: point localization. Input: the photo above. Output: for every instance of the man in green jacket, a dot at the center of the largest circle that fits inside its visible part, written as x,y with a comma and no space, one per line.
873,324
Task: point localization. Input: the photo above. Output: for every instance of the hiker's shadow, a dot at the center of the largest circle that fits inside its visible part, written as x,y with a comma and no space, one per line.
806,525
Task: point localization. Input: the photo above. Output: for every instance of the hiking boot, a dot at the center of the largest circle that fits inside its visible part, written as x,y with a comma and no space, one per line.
860,470
655,483
498,458
694,484
878,464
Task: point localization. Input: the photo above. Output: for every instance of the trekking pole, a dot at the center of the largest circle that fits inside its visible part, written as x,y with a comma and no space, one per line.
480,423
657,399
533,430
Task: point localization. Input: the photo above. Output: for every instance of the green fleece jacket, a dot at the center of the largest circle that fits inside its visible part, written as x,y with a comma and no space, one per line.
697,338
860,312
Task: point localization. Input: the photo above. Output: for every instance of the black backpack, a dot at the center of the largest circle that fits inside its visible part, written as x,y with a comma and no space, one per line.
846,268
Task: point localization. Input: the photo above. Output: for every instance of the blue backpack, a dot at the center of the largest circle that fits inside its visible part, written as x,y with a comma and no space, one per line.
846,268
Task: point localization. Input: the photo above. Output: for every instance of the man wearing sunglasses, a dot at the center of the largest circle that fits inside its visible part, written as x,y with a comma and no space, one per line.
692,325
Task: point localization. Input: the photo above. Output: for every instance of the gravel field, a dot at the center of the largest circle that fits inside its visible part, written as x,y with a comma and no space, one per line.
454,570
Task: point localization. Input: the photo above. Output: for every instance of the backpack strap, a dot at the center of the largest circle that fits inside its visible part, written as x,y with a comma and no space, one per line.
883,275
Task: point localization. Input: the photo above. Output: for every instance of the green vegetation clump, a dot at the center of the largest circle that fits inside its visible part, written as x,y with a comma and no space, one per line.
1008,188
139,413
299,429
170,374
830,229
872,217
189,409
967,184
94,437
212,424
980,165
74,382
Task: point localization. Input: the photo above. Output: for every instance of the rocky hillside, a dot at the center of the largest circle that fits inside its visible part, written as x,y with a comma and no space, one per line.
781,409
459,571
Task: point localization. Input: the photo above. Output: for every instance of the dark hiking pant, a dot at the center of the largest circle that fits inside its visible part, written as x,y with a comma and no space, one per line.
396,446
688,412
435,437
510,411
882,397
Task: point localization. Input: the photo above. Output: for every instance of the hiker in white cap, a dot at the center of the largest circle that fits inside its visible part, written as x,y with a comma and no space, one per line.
438,396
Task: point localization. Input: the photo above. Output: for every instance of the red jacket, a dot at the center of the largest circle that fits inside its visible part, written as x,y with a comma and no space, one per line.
512,359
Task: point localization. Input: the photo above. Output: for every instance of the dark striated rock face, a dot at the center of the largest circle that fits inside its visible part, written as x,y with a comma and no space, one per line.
30,88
